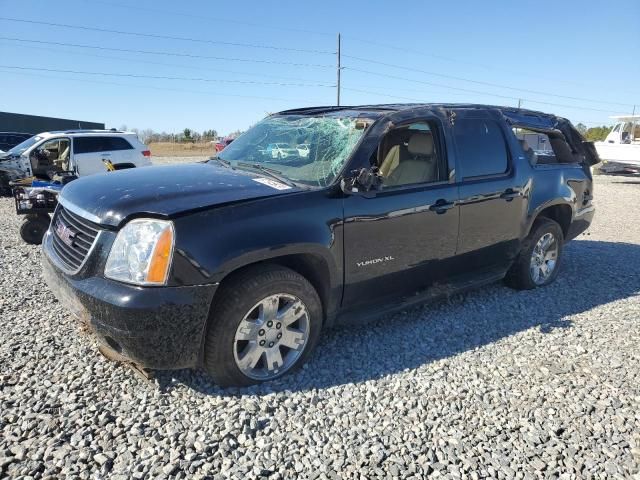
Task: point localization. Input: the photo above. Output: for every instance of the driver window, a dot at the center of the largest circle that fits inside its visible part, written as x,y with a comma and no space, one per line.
52,155
409,155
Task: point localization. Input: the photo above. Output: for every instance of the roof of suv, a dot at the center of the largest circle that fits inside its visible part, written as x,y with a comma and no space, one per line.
80,132
382,109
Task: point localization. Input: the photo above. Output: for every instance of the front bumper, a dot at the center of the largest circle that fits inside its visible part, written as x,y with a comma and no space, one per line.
154,327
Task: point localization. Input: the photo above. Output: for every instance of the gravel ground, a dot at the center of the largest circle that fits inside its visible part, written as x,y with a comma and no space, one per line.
491,384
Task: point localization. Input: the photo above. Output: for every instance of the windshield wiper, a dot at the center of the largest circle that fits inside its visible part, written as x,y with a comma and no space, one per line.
271,172
221,161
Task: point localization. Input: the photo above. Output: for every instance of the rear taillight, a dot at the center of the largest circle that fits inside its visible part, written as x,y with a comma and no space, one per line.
146,153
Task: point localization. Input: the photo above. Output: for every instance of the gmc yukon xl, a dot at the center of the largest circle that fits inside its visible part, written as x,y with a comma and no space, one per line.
237,264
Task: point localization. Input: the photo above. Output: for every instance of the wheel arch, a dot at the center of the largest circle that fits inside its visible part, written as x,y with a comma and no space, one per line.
560,212
311,266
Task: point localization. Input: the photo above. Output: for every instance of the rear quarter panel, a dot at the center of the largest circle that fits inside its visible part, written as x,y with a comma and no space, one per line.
562,184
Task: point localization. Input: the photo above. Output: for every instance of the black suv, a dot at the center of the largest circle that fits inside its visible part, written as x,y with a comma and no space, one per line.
238,263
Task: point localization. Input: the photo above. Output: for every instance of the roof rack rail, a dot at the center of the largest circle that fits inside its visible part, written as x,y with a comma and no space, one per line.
91,130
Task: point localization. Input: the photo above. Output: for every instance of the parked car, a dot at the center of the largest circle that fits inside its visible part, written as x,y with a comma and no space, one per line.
303,150
222,144
82,151
238,266
281,150
8,140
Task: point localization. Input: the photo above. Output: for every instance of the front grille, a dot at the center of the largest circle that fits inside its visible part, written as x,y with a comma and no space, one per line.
72,237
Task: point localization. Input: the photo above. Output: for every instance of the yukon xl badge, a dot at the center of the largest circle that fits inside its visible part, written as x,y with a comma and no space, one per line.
373,261
64,233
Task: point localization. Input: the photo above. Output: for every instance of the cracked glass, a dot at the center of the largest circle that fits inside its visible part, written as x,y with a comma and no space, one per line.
307,149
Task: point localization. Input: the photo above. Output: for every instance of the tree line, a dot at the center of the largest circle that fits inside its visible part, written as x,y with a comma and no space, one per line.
593,134
187,135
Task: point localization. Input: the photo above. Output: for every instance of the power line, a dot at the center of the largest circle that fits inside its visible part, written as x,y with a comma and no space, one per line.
477,92
205,17
151,87
528,74
216,94
479,82
162,77
164,64
166,37
170,54
474,91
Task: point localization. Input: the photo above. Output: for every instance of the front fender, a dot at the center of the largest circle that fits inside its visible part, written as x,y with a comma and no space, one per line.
214,243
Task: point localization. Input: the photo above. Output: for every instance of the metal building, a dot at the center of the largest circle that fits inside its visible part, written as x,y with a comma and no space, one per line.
17,122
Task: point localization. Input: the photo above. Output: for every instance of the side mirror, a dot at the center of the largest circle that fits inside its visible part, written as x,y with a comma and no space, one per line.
362,180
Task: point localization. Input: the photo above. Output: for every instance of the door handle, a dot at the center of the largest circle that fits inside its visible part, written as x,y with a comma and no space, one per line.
509,194
441,206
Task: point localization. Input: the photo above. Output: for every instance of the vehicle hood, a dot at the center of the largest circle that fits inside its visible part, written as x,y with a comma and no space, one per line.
111,198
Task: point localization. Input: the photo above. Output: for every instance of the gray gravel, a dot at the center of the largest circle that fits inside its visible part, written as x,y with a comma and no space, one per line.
492,384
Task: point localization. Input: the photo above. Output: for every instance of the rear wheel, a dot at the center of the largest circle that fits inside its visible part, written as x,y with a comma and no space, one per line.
538,261
266,323
33,228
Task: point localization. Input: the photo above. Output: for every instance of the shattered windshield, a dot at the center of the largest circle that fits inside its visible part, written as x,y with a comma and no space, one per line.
305,149
21,147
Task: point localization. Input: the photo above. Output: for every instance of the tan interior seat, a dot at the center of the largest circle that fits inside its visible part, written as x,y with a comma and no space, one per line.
63,159
528,151
420,164
391,161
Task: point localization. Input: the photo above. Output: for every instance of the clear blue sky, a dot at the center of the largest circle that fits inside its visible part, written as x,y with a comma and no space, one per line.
565,48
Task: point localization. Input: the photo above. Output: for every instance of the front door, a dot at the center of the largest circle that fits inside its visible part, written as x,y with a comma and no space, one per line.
398,240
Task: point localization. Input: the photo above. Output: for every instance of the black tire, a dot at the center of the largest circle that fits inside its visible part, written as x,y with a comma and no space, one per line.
33,228
235,299
519,275
5,188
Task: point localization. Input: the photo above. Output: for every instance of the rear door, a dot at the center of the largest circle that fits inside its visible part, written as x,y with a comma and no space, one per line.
120,149
88,155
492,199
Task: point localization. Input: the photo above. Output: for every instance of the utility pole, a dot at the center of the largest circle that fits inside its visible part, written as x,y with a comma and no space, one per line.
339,68
519,102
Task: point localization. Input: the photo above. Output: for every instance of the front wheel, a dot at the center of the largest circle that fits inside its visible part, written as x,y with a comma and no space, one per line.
266,323
538,261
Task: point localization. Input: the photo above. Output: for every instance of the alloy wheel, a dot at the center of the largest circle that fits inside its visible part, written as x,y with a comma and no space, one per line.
544,259
271,337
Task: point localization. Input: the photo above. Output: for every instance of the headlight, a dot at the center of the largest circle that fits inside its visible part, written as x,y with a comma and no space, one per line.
142,252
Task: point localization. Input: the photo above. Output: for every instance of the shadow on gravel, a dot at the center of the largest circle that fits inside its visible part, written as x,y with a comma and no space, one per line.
628,182
593,273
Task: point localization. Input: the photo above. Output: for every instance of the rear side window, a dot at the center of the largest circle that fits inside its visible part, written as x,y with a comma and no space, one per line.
99,144
117,143
545,148
481,148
